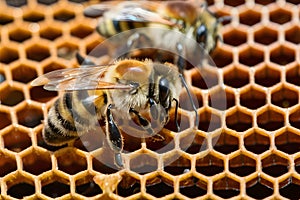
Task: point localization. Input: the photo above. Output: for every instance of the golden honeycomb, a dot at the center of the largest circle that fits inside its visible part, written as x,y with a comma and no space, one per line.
245,149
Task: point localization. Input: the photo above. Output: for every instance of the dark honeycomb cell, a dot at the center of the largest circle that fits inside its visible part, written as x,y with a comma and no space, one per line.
221,99
265,35
16,139
280,16
296,2
185,102
67,50
253,98
288,142
289,188
24,73
275,165
33,16
293,75
209,121
8,164
21,190
294,118
8,55
159,187
239,121
128,186
30,116
64,15
225,143
242,165
235,37
5,119
209,165
15,3
193,143
221,57
71,162
50,33
37,52
176,165
293,35
55,188
53,66
236,77
250,17
87,187
104,163
251,56
282,55
41,95
143,163
226,187
234,3
47,2
81,31
19,35
5,19
37,162
257,142
259,188
264,2
270,120
204,79
192,187
267,76
284,97
11,96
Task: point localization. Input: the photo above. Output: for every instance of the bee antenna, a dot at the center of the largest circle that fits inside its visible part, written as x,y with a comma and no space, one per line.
176,114
191,100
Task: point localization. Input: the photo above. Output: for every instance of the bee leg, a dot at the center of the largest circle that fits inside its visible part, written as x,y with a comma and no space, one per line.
114,136
142,121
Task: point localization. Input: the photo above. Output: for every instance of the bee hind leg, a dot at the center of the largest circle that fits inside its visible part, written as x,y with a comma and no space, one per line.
114,137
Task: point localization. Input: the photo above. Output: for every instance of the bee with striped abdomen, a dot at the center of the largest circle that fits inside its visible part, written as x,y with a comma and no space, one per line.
142,91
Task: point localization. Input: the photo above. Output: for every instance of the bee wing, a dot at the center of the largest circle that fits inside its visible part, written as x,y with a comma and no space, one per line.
83,78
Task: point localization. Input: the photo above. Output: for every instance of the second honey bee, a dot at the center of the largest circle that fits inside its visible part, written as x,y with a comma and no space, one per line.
191,18
129,88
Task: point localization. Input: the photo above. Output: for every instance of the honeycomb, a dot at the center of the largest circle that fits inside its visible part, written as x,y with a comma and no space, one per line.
245,149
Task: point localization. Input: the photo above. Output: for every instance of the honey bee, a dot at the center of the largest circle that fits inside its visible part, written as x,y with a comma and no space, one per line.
130,88
191,18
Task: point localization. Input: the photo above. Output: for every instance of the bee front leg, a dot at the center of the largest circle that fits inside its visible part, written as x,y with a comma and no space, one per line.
142,121
114,137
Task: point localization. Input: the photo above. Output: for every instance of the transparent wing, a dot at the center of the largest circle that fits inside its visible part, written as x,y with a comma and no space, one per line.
83,78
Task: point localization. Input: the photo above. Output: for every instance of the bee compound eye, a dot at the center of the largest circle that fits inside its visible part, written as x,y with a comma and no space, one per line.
201,34
164,91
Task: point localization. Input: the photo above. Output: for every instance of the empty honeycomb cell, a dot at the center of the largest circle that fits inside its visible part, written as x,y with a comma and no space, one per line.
204,79
234,3
50,33
29,115
37,52
236,77
270,119
74,163
19,35
47,2
275,165
8,55
296,2
293,35
235,37
282,55
20,187
87,187
5,19
36,161
209,121
259,188
265,35
176,164
288,142
128,186
250,17
192,187
143,163
264,2
289,188
192,143
293,75
8,164
16,139
64,15
53,65
159,186
41,95
33,16
78,1
226,187
221,57
239,120
81,31
221,99
67,50
251,56
225,143
267,76
242,165
184,100
284,97
5,119
257,142
104,163
23,73
14,3
294,118
280,16
11,96
209,165
55,186
253,97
